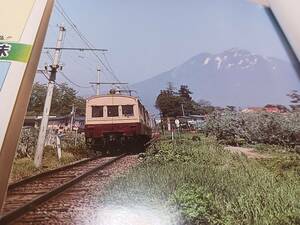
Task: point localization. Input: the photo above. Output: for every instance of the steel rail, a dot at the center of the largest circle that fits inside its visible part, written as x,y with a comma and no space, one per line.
49,172
20,211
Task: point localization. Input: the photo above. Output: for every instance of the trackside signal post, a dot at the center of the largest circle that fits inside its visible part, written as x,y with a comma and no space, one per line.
23,26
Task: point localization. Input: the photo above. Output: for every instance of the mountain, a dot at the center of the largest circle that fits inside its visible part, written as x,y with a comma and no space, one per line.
234,77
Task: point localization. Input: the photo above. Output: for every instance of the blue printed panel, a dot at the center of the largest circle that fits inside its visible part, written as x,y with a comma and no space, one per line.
4,66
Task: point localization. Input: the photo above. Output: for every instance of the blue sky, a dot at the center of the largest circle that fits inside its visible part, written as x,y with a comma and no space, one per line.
146,38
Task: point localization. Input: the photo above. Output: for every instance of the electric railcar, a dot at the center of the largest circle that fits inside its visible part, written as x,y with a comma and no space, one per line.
115,122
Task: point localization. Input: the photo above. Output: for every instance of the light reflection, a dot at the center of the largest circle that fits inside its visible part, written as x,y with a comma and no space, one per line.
134,215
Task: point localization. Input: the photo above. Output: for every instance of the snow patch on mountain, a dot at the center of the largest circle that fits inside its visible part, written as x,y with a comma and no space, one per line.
206,61
219,61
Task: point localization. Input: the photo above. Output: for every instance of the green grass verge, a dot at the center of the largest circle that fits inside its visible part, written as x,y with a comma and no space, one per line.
212,186
24,167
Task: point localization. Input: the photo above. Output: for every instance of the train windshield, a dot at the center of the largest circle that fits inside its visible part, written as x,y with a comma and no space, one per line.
97,111
127,110
112,111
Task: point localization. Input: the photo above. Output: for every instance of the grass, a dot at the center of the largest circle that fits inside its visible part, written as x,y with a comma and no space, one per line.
24,167
212,186
282,159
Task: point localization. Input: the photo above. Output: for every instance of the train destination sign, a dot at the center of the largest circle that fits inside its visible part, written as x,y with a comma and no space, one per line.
23,26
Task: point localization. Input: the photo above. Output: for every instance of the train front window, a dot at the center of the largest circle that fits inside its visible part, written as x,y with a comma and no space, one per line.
97,111
112,111
127,110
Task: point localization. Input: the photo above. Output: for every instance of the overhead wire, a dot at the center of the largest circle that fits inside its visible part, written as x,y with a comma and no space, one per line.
87,64
72,82
108,67
63,74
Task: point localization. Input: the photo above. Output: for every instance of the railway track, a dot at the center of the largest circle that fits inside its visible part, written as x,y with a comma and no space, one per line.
26,195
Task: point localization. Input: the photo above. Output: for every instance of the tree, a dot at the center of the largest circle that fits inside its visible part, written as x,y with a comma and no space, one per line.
204,107
62,101
203,102
169,104
185,93
231,108
37,99
295,96
80,105
295,100
190,106
171,89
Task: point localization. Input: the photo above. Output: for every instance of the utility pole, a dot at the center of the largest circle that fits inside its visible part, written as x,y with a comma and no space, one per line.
54,69
44,124
98,81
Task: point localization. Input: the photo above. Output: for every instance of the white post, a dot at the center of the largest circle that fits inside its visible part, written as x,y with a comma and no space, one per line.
58,146
72,117
182,108
76,136
169,124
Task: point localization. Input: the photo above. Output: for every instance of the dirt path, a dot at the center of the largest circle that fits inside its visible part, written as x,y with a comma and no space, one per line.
249,152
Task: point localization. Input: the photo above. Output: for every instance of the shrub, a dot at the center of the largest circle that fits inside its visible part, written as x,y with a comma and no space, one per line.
68,144
27,143
236,128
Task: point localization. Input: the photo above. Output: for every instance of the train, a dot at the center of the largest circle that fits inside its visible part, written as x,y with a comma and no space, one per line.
116,122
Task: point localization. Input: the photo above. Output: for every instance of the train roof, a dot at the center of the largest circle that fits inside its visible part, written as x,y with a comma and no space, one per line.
118,95
113,95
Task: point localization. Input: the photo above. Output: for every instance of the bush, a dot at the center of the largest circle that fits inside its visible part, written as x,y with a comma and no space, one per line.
68,144
27,143
237,128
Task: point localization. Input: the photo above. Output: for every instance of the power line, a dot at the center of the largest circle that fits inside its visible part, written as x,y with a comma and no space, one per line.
61,10
72,82
44,74
81,59
60,85
49,55
62,73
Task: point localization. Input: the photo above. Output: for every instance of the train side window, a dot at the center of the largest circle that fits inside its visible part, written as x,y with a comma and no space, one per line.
127,110
97,111
112,111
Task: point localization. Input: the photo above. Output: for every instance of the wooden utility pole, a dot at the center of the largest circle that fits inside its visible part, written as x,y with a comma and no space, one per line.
47,107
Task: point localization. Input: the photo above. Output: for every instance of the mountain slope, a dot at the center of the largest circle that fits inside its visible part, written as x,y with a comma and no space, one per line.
234,77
